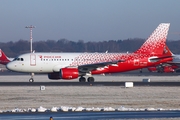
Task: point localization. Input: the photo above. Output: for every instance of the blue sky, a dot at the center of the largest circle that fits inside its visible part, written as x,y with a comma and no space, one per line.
88,20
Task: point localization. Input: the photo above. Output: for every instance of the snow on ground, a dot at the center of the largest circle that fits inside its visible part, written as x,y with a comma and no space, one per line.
96,97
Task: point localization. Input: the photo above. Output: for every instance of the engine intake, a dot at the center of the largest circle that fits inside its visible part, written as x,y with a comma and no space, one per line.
54,76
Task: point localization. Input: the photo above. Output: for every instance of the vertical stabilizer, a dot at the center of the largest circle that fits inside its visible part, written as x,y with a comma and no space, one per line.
156,43
3,58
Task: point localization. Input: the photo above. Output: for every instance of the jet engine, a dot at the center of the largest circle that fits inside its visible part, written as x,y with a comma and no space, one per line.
161,69
65,73
168,69
69,73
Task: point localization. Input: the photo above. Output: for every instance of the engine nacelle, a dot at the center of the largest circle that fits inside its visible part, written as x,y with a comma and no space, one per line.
65,73
168,69
54,76
161,69
69,73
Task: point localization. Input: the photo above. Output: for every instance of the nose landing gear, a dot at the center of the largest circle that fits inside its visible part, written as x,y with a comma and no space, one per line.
31,79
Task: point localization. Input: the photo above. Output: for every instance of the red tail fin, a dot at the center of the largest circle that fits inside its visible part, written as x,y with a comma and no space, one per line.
3,58
155,44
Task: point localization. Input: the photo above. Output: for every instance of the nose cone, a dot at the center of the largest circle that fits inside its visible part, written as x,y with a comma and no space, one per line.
10,66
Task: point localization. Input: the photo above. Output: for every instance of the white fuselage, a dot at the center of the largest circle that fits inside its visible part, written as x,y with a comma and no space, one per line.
53,62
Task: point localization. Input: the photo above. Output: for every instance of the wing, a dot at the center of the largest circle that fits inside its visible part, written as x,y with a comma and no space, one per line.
89,67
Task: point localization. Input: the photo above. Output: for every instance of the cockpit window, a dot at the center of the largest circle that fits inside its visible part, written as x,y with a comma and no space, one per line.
18,59
14,59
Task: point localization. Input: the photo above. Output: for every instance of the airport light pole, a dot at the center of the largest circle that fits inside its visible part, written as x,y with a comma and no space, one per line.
30,27
31,38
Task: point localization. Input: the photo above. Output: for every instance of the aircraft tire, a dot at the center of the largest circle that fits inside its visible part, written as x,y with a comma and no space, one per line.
90,79
31,80
82,79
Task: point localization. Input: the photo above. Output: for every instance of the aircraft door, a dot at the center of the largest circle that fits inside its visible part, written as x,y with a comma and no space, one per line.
32,60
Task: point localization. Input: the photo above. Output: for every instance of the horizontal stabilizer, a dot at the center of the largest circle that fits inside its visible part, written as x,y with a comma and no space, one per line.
155,59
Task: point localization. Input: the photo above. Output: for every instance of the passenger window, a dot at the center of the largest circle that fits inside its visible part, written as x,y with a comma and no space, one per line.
22,59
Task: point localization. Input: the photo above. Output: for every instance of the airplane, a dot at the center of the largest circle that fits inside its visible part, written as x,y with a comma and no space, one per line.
168,67
163,68
70,66
4,59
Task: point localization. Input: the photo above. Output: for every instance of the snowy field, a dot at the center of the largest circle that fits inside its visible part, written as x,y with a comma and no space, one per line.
24,97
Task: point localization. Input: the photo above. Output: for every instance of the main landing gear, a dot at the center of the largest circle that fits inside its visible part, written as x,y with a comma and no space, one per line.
83,79
31,79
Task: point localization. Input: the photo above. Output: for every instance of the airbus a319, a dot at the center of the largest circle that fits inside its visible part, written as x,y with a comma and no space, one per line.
70,66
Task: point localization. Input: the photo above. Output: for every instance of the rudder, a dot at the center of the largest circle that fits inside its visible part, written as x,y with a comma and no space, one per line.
156,43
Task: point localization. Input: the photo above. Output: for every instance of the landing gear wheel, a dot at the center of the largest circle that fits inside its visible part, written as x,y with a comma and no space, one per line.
90,79
31,80
82,79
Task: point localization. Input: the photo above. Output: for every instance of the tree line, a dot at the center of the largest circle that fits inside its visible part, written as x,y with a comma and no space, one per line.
12,49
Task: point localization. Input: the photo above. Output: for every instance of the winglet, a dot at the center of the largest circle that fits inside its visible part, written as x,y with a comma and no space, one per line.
156,42
3,58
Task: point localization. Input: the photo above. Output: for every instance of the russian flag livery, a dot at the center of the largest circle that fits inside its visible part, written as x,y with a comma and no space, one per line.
73,65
